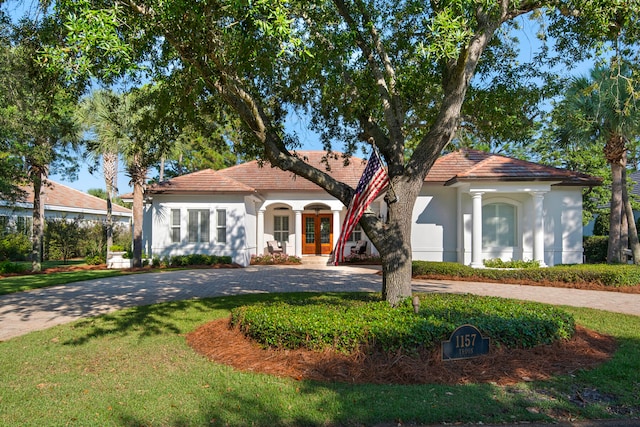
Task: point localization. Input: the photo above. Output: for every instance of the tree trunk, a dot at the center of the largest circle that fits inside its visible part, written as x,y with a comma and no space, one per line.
110,170
37,230
138,194
624,231
634,244
614,252
395,249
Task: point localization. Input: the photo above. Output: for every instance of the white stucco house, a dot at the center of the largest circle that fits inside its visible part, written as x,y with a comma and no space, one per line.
473,206
59,201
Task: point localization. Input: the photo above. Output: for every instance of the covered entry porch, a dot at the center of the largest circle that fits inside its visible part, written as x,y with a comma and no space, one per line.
300,228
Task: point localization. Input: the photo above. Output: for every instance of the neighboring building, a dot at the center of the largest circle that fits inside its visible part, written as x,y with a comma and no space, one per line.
473,206
59,201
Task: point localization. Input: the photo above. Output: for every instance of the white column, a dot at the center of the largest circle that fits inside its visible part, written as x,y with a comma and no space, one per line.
337,227
298,232
476,230
538,227
260,232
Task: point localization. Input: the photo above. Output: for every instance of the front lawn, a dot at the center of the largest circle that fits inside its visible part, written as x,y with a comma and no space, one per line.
134,368
42,280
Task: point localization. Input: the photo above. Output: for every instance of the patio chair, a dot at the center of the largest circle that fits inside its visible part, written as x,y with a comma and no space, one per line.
360,248
274,247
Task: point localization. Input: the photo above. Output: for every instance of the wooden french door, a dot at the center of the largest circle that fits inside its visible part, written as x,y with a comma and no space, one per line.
317,234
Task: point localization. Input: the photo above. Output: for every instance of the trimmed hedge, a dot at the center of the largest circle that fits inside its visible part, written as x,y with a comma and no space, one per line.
275,259
347,323
192,259
618,275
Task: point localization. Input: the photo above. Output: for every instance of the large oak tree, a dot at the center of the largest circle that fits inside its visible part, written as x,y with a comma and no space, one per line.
391,73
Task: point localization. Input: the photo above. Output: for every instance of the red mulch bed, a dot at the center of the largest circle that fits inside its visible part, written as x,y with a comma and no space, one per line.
222,344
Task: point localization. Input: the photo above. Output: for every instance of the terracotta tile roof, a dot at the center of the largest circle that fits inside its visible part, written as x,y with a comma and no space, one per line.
472,165
59,195
458,166
204,181
252,177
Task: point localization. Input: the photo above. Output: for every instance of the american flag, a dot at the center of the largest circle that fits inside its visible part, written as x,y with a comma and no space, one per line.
373,180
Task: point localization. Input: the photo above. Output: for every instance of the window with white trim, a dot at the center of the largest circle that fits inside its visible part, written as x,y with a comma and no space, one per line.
24,225
498,225
281,228
175,226
4,225
356,234
198,225
221,225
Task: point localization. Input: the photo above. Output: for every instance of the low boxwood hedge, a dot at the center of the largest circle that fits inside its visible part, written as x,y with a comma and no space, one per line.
349,322
191,260
617,275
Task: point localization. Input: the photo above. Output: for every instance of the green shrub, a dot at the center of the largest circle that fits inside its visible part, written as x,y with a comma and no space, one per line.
14,247
62,237
499,263
597,274
117,248
93,241
95,260
275,259
595,249
601,224
438,269
12,267
348,323
194,259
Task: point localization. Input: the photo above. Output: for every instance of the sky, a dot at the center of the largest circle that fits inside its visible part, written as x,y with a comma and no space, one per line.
86,181
297,123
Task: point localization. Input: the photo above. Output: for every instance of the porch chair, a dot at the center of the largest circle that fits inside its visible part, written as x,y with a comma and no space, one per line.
274,247
360,248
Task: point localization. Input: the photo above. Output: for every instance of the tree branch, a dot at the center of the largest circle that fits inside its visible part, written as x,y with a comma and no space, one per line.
456,80
385,80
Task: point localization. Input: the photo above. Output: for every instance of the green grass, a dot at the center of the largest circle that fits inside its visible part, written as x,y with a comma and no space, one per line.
134,368
34,281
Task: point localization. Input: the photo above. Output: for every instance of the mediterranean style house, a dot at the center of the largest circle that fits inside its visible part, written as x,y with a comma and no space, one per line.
473,206
59,201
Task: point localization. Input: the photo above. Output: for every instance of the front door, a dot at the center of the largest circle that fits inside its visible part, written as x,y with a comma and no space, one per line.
317,238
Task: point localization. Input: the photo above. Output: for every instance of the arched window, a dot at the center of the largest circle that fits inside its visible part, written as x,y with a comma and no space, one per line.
498,225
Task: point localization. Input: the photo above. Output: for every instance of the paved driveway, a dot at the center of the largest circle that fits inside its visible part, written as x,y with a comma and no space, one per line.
24,312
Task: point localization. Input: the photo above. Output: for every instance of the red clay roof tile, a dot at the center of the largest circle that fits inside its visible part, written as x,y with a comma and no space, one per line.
56,194
464,165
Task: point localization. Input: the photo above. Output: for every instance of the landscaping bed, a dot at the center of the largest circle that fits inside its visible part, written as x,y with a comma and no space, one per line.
602,277
358,340
222,343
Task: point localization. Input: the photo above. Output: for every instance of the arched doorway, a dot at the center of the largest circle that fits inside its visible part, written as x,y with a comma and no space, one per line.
317,232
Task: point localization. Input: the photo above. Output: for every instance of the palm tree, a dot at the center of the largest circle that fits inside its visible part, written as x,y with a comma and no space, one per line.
100,116
600,110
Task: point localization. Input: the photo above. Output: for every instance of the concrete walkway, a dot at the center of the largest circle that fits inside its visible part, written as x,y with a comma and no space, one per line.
23,312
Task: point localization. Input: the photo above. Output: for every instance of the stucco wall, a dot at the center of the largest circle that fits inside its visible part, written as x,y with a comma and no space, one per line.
441,222
563,226
562,209
236,213
433,237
